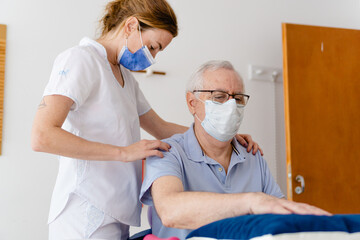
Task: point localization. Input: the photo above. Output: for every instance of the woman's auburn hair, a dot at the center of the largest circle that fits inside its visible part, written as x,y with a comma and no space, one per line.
150,14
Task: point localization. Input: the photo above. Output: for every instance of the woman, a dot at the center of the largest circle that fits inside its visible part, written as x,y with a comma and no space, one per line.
91,115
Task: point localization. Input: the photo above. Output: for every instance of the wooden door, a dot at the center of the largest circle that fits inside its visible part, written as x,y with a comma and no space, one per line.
2,74
322,115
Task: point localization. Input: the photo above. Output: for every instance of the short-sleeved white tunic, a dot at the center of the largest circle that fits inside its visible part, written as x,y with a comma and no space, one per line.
103,111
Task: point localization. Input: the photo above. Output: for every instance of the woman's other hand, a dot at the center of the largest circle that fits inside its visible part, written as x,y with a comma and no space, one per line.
246,141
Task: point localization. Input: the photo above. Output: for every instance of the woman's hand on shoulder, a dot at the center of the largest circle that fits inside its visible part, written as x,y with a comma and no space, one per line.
143,149
246,141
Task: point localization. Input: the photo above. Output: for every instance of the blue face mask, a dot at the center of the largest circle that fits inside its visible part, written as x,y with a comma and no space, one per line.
139,60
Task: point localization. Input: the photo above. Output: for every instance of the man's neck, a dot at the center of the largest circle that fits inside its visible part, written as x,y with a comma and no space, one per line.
213,148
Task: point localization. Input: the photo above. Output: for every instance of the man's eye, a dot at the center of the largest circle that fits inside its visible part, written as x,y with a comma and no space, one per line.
219,96
240,100
151,47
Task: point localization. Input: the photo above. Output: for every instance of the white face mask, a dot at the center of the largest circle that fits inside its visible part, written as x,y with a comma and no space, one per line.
222,121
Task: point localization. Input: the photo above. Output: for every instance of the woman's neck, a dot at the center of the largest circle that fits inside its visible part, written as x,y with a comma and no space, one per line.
113,44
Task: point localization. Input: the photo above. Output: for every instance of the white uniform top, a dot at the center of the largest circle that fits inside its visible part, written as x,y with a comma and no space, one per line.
105,112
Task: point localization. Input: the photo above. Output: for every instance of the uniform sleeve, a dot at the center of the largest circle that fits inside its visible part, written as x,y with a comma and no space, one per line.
157,167
269,184
73,76
142,104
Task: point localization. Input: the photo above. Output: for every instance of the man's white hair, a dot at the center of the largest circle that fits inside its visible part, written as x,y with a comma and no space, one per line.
196,81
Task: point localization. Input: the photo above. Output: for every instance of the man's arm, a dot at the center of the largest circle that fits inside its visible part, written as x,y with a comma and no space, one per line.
190,210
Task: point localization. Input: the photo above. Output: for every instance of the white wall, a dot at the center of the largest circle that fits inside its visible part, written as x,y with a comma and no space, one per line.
242,31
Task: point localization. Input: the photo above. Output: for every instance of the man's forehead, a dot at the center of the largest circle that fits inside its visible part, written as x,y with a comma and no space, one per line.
222,79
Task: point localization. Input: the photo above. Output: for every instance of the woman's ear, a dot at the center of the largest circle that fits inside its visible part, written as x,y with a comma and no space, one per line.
131,25
191,102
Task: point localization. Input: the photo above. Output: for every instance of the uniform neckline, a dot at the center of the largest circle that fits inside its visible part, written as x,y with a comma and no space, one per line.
102,51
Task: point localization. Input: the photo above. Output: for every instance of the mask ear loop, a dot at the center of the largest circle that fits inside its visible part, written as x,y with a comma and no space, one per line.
140,36
126,38
126,42
195,115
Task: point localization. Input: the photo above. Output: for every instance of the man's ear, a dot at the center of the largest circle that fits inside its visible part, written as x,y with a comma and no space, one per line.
131,25
191,102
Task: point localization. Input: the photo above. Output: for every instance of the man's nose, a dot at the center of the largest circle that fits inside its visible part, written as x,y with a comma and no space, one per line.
231,96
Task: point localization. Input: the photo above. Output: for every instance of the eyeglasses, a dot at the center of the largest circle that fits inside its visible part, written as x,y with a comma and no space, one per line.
221,97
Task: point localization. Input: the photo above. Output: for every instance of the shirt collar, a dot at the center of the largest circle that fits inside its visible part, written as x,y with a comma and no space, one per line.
100,49
196,154
238,154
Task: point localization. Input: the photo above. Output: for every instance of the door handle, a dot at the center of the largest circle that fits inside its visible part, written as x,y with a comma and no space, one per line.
300,189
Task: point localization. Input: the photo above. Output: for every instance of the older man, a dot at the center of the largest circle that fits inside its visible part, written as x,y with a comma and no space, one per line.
206,175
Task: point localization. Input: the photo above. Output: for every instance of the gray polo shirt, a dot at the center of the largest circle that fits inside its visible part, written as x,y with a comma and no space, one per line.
198,172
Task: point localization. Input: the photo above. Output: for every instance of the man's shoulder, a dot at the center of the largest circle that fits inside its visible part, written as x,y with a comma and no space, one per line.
176,141
176,153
